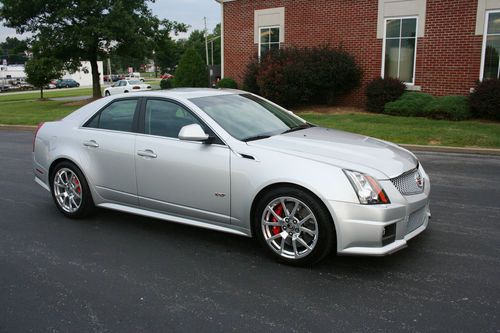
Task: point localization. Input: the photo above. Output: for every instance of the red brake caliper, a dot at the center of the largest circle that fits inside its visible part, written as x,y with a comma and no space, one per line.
278,209
77,185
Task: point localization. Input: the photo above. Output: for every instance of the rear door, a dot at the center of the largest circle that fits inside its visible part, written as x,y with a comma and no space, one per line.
108,139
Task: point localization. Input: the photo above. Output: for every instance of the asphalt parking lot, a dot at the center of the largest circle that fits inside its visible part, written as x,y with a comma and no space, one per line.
123,273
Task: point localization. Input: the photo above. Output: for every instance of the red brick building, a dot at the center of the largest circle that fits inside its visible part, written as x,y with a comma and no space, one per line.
441,47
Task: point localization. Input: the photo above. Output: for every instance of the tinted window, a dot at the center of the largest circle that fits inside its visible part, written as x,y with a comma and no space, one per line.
165,118
118,116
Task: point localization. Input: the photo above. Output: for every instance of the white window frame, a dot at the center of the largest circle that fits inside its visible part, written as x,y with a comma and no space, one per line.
269,27
399,56
485,37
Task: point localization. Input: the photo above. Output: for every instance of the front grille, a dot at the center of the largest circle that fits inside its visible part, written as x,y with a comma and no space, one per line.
407,182
416,219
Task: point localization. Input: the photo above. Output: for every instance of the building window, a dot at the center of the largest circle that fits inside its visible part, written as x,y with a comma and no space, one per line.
491,47
400,45
269,39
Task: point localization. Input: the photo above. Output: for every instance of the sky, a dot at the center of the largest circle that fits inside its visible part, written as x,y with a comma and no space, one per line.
190,12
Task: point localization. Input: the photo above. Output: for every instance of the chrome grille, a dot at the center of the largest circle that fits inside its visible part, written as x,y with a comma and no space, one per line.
416,219
407,183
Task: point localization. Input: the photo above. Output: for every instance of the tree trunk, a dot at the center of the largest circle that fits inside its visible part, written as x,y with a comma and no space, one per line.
41,92
96,84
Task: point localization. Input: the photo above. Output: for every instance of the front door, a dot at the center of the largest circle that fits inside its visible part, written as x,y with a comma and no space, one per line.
182,178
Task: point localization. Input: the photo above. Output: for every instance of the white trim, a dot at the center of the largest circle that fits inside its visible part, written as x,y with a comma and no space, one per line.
401,18
485,37
269,27
221,39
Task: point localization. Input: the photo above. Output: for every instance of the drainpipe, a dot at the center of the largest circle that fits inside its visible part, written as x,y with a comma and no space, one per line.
221,38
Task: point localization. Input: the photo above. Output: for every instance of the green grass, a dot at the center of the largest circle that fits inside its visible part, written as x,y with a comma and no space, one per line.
52,93
412,130
30,112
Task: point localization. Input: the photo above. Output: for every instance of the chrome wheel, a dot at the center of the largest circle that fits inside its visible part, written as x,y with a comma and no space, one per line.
67,190
289,227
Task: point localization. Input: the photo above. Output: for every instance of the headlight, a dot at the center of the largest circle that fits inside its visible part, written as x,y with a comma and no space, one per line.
367,188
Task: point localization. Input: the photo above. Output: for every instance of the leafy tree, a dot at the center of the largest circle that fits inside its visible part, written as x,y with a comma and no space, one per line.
72,31
40,71
192,71
13,50
197,40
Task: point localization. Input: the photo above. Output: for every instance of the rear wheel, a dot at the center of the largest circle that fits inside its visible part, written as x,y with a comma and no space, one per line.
293,226
70,191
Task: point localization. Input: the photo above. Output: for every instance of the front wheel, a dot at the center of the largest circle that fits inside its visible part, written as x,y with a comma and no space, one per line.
294,226
70,191
107,93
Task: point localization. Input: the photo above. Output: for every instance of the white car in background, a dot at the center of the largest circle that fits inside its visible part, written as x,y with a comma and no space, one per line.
126,86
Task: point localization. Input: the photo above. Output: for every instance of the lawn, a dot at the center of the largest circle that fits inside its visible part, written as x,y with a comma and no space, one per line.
26,109
413,130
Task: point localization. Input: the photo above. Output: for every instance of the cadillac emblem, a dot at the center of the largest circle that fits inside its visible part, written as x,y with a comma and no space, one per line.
419,180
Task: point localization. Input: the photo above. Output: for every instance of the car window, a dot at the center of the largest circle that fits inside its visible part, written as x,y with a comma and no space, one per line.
166,118
122,83
118,116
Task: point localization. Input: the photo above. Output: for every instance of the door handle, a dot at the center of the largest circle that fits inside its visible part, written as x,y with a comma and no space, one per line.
91,144
147,153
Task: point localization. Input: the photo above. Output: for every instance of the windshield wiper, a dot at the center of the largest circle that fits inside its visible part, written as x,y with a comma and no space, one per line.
298,128
257,137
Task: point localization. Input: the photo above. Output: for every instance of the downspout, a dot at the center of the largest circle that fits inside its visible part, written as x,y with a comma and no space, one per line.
221,38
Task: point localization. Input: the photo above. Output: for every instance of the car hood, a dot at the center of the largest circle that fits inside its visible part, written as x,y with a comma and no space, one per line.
343,149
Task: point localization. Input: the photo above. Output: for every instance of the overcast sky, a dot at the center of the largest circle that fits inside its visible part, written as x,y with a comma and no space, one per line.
186,11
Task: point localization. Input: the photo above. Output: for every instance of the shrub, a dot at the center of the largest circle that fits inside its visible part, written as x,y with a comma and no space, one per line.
227,82
382,91
166,83
192,71
448,107
485,100
293,76
409,104
250,77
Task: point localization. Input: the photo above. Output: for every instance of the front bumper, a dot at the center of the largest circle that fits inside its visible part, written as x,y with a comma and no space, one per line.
379,230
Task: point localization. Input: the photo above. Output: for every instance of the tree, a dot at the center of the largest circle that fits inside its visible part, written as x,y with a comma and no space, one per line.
40,71
192,71
72,31
13,50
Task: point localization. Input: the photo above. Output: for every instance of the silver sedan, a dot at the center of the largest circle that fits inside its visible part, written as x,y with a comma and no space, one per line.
231,161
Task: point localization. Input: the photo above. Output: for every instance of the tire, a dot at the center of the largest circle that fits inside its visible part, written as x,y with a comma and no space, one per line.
125,92
309,234
66,183
107,93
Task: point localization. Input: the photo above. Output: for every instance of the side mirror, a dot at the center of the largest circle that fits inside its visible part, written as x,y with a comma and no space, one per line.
193,132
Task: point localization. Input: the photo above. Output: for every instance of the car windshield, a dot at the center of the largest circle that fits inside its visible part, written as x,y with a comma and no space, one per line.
134,82
247,117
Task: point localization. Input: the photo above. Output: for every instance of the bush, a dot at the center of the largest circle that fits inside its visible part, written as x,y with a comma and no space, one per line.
485,100
250,77
167,84
381,91
192,71
293,76
448,107
410,104
227,82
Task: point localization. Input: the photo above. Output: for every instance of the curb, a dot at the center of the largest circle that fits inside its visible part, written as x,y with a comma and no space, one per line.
434,149
456,150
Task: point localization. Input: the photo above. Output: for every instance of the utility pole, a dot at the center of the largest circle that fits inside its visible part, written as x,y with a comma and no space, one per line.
206,39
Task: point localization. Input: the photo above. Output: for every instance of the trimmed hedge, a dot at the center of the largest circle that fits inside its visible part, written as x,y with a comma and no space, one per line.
381,91
449,108
485,100
294,76
167,84
227,82
410,104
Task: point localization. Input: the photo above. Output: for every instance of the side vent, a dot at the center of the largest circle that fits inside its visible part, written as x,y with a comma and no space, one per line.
247,156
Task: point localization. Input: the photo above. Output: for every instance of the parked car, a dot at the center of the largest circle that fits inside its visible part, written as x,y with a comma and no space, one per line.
67,83
166,76
232,161
126,86
134,76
